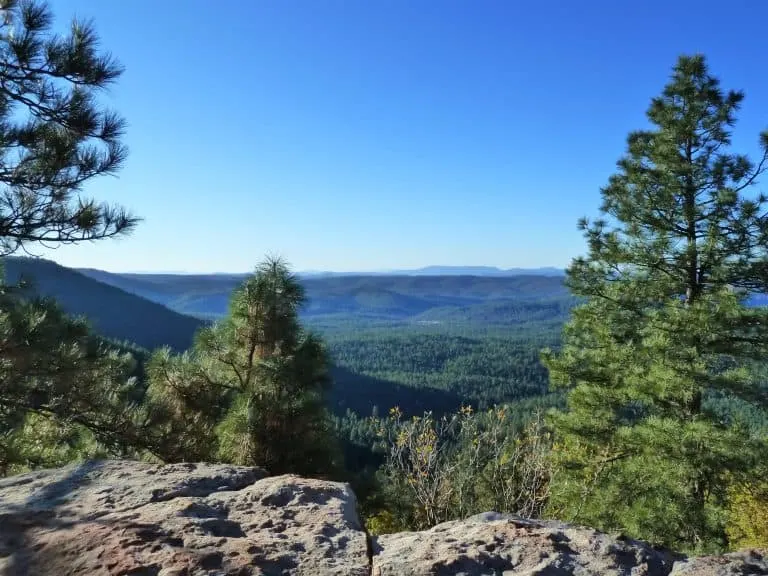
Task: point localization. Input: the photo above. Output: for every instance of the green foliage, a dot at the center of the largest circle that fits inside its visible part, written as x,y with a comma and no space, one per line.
365,452
435,369
252,389
64,393
664,328
44,442
384,522
450,340
747,525
54,135
59,382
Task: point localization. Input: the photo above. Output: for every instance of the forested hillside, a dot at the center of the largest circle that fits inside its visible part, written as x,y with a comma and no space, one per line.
195,295
112,312
441,367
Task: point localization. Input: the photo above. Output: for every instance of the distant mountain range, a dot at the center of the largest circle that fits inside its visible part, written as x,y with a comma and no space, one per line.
425,271
384,296
154,310
447,271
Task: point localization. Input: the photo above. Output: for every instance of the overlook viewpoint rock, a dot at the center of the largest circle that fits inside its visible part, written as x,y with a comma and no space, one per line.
117,517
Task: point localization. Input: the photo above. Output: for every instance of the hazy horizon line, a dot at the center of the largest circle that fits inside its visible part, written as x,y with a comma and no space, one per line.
314,271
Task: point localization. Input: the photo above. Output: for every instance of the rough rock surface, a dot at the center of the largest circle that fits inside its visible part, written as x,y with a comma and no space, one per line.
120,517
750,562
491,544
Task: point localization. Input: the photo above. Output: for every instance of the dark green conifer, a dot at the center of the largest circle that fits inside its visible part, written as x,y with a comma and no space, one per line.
57,381
252,389
665,326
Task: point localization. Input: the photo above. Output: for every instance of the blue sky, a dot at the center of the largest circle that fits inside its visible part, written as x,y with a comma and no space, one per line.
375,134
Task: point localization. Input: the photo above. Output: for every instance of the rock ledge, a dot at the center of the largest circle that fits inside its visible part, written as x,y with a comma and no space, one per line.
122,517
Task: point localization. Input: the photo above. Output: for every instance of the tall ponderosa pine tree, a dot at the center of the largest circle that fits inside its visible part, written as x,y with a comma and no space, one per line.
251,391
665,327
54,137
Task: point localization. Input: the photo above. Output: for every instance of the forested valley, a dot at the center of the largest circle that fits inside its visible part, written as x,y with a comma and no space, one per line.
629,394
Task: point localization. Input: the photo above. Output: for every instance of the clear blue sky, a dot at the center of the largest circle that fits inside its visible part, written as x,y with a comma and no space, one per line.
374,134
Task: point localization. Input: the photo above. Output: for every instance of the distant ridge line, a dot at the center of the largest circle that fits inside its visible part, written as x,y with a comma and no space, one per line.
425,271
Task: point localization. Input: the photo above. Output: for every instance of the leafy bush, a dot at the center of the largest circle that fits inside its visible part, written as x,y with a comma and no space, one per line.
439,469
747,525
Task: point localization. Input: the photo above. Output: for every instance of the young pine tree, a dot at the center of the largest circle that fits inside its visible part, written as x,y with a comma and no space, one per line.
252,389
64,393
664,326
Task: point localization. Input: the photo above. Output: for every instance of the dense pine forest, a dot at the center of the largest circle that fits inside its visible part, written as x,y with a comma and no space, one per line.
629,395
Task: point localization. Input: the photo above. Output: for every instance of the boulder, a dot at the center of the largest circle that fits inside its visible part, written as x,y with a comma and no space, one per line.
748,562
123,517
494,544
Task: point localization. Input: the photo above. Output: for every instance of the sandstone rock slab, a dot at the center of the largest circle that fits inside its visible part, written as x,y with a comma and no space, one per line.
494,544
119,518
750,562
123,517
